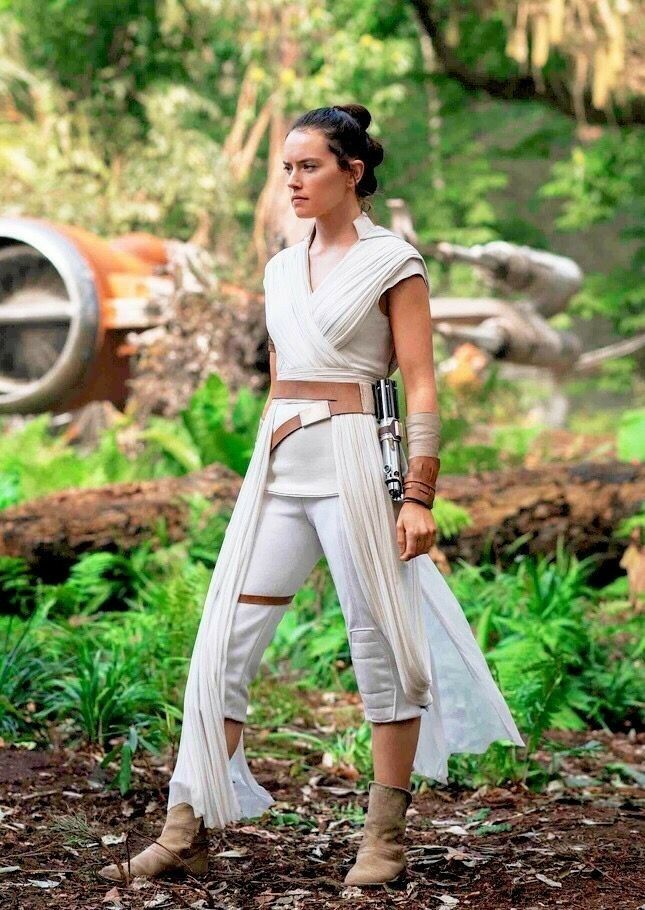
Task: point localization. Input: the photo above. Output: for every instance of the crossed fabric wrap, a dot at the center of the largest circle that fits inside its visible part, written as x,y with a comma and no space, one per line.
441,666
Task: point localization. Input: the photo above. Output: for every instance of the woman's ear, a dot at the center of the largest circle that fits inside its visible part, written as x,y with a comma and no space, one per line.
358,168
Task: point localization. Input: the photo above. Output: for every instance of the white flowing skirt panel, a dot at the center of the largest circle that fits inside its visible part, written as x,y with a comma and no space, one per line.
219,789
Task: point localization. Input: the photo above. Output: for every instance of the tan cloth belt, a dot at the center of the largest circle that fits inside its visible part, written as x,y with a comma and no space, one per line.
332,397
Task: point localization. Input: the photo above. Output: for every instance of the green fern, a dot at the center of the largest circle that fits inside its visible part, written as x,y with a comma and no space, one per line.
451,518
631,435
23,675
10,488
17,585
174,440
207,419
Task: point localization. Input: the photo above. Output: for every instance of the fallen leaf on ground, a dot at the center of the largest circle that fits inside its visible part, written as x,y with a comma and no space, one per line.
109,840
113,897
548,881
158,900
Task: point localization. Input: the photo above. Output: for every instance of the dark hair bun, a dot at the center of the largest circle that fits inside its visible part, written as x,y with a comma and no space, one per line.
358,112
375,151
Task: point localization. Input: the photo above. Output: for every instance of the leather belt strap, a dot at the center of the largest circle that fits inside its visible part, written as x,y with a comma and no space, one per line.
265,599
331,398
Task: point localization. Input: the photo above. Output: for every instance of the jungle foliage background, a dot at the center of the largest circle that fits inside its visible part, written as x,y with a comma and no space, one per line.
166,117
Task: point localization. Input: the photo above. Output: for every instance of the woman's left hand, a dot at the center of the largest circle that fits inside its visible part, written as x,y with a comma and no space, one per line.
416,530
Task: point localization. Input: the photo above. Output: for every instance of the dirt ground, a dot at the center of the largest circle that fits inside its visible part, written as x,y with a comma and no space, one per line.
578,845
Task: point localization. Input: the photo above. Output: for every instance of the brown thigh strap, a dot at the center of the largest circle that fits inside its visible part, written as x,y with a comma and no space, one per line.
265,599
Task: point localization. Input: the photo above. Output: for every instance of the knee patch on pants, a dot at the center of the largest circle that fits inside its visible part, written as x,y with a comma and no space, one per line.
253,628
374,674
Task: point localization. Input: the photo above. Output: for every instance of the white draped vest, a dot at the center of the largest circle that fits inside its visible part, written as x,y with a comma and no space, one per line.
303,463
439,661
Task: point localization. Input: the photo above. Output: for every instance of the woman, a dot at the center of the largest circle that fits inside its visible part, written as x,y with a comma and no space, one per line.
344,307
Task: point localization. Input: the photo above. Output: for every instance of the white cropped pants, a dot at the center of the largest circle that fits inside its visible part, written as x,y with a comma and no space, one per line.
293,533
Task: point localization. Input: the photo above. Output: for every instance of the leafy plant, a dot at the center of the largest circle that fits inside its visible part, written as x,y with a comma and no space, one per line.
102,695
10,491
22,676
207,419
351,747
631,435
94,581
123,754
451,518
17,585
312,637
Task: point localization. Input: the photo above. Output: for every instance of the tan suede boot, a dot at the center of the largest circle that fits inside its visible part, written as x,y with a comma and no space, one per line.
182,846
381,857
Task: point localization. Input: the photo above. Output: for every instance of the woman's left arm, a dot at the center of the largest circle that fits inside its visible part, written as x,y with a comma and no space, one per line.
411,323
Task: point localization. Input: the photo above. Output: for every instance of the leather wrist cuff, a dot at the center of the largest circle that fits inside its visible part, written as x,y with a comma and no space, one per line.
419,501
420,480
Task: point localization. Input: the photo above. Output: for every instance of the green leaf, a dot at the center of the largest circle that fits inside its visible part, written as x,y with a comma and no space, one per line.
124,776
631,435
492,829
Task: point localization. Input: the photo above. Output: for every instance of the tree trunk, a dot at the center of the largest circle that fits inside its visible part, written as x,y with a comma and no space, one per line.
582,503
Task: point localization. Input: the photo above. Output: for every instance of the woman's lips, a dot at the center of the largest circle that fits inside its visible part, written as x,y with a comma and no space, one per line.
299,199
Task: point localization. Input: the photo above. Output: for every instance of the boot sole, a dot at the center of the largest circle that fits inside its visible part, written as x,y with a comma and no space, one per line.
196,868
399,879
181,872
171,874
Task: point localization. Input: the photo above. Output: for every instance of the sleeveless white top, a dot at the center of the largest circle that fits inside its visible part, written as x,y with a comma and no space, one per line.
303,463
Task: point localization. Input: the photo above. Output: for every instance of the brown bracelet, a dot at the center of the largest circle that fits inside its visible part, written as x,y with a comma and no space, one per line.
420,501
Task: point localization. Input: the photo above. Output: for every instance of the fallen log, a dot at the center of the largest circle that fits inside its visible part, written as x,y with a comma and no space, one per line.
580,503
62,526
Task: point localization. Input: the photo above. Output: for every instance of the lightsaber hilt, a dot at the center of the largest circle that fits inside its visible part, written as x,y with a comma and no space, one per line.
386,407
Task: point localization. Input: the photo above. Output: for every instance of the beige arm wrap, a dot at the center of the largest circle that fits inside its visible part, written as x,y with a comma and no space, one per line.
423,431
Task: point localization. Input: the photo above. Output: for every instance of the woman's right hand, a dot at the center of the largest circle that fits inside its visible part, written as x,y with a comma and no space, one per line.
416,530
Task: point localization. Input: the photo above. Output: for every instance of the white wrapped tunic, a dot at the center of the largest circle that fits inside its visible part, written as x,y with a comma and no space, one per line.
303,463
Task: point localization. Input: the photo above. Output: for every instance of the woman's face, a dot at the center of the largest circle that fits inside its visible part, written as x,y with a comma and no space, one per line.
313,173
